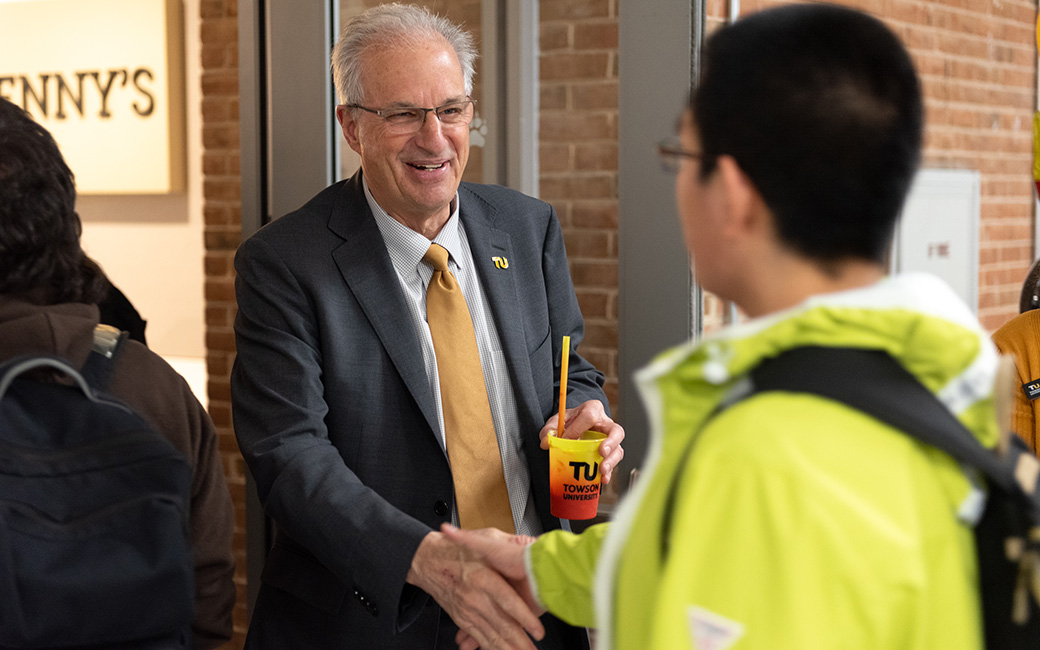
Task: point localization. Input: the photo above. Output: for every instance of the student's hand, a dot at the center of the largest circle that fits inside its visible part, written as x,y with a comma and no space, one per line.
590,416
502,552
489,612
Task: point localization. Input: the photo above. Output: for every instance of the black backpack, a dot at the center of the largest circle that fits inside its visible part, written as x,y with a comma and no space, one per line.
94,543
1007,537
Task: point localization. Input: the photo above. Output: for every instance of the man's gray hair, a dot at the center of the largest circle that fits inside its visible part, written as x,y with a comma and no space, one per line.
388,25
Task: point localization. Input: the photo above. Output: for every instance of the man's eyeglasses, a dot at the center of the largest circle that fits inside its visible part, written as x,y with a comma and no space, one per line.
671,153
408,119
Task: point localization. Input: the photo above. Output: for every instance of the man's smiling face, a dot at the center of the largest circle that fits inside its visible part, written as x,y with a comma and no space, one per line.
413,176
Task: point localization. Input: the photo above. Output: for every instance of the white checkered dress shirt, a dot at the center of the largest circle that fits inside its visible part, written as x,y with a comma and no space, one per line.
406,248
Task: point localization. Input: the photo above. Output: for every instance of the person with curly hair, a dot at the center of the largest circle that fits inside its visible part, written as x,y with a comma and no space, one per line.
49,290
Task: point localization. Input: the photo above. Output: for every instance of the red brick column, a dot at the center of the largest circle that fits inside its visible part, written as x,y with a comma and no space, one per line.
222,217
578,159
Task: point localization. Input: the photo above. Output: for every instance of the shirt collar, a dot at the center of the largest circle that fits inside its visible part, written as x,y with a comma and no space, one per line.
407,247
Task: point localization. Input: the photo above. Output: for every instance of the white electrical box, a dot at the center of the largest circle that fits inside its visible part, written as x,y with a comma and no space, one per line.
938,230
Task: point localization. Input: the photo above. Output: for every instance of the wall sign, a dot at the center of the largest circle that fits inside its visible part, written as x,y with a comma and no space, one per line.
106,78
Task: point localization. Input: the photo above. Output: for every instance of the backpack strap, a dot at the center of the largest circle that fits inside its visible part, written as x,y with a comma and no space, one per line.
16,366
1009,552
108,343
873,382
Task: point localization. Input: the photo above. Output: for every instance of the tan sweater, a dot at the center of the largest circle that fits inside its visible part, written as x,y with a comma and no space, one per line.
147,383
1020,337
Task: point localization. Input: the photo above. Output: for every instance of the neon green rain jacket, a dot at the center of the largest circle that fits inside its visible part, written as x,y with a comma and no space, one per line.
797,523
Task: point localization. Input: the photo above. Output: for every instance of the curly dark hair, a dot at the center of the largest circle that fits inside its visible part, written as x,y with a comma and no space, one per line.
40,254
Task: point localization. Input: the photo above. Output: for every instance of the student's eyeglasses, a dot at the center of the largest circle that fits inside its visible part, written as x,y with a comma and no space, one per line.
409,119
671,153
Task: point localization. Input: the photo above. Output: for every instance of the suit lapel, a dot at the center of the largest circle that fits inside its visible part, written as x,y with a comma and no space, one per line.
500,291
366,268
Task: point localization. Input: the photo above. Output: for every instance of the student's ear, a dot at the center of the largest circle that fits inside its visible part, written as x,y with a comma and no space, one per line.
743,202
349,126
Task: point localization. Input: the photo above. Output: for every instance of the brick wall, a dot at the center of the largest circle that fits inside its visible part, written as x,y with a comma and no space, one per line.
978,65
977,60
577,159
222,218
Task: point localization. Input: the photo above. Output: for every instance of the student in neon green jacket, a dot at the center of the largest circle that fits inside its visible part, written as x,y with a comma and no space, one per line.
796,523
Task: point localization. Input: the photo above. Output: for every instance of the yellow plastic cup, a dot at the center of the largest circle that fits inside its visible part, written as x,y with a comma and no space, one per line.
574,478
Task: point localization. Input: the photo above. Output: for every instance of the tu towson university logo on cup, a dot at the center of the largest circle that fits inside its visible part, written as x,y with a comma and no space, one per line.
574,477
589,472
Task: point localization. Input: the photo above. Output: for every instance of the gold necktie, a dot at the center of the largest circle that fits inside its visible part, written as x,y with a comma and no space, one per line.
476,464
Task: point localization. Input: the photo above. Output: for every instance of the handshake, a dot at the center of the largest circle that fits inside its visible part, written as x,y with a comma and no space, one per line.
478,577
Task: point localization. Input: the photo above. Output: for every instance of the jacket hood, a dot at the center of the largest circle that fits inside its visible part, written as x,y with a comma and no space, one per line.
916,318
64,330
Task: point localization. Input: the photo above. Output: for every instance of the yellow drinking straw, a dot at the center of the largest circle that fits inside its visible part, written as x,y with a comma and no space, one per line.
563,385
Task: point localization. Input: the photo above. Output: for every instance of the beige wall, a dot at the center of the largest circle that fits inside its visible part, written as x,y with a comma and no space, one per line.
151,246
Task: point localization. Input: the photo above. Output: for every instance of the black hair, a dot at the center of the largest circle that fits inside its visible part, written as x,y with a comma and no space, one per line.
40,253
1030,297
821,107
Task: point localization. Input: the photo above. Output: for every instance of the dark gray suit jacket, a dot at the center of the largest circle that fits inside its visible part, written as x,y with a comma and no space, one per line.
336,419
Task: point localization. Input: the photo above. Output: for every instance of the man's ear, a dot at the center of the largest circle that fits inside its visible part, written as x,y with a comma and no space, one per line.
349,126
743,201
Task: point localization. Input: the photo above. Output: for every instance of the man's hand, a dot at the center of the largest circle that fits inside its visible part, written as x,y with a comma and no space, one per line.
586,417
482,603
503,553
